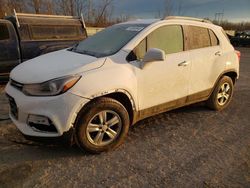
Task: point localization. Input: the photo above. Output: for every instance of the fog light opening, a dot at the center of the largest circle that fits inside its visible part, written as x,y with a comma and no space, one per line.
41,123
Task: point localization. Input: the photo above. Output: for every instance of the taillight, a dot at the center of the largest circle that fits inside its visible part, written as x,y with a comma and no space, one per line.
238,54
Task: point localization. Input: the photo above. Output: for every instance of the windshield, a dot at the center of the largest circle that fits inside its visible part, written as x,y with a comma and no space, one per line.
109,41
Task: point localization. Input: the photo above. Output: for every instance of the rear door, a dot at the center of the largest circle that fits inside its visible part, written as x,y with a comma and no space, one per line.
9,48
204,49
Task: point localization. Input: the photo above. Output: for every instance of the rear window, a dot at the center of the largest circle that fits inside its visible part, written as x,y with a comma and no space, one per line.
4,32
196,37
55,32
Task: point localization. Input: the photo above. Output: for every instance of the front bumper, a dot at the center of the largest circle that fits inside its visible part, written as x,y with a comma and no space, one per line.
62,110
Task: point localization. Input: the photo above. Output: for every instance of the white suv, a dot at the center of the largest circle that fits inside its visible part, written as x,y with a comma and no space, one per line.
125,73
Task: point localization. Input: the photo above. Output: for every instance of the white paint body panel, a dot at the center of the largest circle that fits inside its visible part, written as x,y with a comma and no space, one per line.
163,81
54,65
155,84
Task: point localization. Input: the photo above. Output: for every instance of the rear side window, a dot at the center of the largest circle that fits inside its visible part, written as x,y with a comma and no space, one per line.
54,32
167,38
214,39
4,32
196,37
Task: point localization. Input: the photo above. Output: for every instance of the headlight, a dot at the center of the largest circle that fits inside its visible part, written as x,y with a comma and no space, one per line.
52,87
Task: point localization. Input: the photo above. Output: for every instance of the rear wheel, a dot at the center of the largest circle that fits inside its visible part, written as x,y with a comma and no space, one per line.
102,125
222,94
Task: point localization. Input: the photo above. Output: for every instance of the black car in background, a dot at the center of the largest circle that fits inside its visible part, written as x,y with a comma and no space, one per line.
241,39
25,36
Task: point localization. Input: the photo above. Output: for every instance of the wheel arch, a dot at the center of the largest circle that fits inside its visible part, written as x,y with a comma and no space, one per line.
120,95
232,74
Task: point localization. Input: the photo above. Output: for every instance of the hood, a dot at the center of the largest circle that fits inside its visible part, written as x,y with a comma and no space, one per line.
54,65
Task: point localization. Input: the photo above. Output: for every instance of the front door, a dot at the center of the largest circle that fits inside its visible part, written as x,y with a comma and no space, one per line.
161,83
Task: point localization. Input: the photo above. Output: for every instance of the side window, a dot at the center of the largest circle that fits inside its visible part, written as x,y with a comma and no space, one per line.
4,32
196,37
214,39
140,50
167,38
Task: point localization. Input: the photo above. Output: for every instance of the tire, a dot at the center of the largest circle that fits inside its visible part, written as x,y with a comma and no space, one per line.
222,94
102,125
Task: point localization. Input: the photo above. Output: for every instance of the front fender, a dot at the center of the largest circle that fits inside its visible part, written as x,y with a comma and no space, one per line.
110,78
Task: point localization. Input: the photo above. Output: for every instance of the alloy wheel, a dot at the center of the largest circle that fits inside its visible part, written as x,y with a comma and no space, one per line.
104,128
224,94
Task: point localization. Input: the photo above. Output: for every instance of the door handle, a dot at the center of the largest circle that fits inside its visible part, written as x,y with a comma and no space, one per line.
184,63
218,53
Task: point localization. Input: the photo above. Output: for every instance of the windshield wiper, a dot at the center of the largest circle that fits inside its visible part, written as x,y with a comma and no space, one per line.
73,48
85,52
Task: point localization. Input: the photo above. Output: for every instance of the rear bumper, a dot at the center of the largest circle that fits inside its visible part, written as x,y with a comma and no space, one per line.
62,110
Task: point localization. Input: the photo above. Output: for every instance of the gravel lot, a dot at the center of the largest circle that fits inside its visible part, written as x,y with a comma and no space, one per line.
188,147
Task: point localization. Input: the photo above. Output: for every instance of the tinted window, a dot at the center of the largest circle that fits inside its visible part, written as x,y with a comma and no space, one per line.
214,39
167,38
4,32
196,37
54,32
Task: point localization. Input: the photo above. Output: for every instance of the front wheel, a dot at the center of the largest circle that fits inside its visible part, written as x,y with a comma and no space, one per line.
102,125
222,94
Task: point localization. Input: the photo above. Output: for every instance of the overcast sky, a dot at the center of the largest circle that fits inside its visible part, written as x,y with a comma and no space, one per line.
234,10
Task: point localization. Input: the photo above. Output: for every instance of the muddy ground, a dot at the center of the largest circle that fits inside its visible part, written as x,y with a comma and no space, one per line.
188,147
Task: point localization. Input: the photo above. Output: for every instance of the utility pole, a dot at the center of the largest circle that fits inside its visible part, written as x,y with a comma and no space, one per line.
219,16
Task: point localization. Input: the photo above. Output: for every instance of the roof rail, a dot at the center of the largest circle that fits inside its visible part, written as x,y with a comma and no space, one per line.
187,18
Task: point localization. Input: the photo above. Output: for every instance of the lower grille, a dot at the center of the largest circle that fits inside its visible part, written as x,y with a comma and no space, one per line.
51,128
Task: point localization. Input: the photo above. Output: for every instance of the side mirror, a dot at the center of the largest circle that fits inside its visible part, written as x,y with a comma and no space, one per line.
154,54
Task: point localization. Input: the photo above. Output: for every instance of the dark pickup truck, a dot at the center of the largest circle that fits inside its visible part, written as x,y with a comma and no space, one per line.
25,36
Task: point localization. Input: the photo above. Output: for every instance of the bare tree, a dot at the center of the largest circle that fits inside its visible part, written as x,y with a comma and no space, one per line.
2,12
7,6
71,7
104,11
180,11
168,7
37,5
80,5
49,7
